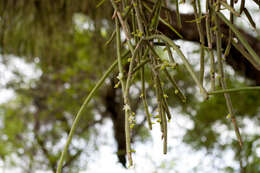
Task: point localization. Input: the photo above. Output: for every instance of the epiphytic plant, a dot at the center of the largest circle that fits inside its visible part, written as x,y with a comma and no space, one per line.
138,20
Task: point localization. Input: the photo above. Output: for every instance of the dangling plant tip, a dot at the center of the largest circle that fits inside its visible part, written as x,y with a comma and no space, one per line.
140,22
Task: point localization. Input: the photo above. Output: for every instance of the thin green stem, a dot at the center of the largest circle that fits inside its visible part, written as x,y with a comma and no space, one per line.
123,24
240,37
163,100
230,90
250,19
163,21
130,72
143,15
79,115
110,38
125,15
164,122
167,13
166,108
170,53
178,14
209,39
212,70
134,28
100,3
184,59
127,12
226,53
140,65
144,99
156,15
143,94
202,63
127,86
163,109
164,104
222,80
157,84
199,7
120,65
218,5
245,54
177,90
211,54
230,8
242,6
230,34
138,17
202,41
124,90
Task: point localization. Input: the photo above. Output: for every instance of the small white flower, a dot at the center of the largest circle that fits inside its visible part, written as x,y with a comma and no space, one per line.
126,107
120,76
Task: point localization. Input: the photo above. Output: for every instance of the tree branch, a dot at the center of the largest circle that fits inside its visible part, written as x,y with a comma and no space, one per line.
235,58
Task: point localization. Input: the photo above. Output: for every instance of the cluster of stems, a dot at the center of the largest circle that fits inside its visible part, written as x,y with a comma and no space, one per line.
138,21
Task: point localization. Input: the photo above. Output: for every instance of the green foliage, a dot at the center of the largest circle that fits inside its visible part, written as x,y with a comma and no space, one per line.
68,38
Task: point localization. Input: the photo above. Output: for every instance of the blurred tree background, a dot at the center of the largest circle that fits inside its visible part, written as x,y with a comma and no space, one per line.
65,41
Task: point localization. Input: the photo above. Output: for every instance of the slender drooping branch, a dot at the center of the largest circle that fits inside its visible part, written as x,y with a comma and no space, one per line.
223,80
80,113
184,59
235,58
148,33
230,90
255,58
